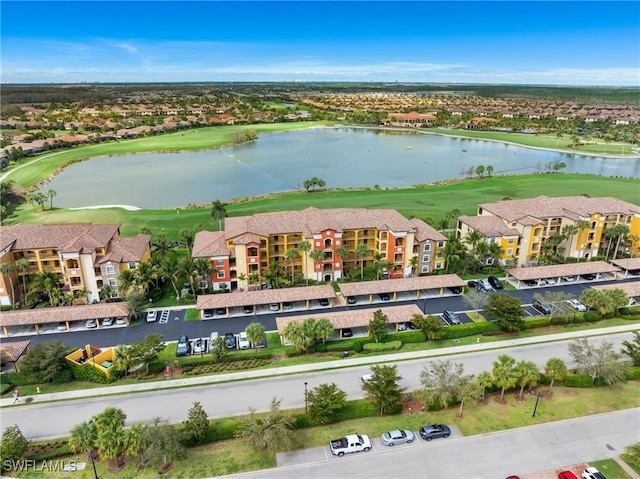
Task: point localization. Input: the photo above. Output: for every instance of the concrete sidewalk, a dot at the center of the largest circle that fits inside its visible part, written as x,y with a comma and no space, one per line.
285,370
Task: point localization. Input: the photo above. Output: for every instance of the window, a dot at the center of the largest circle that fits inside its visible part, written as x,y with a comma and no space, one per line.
509,251
219,262
438,265
510,240
112,282
427,247
440,244
133,265
110,270
220,274
426,258
424,269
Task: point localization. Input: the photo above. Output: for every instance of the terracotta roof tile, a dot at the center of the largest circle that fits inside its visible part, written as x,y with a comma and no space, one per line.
489,226
15,349
632,289
425,232
124,250
76,237
557,270
627,263
402,284
265,296
67,313
209,243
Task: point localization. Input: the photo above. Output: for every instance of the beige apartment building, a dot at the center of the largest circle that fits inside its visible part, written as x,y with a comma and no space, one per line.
82,256
250,245
522,226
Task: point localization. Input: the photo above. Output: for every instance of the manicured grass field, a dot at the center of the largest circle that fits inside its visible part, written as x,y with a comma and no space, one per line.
430,201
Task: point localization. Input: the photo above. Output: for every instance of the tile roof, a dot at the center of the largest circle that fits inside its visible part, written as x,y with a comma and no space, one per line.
401,284
66,313
15,349
311,221
265,296
124,250
574,207
627,263
489,226
557,270
209,243
632,289
356,317
425,232
66,238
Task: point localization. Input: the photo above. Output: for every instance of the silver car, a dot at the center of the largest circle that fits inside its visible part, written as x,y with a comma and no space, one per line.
397,436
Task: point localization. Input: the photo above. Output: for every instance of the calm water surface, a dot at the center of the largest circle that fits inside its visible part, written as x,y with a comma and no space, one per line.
342,157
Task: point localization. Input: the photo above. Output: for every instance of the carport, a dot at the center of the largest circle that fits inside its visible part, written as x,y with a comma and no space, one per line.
601,269
420,287
34,320
632,289
13,352
353,318
629,266
265,297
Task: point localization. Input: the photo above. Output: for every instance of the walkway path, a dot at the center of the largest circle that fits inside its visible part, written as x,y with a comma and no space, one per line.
285,370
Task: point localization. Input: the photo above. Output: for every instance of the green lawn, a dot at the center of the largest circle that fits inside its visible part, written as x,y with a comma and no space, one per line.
432,201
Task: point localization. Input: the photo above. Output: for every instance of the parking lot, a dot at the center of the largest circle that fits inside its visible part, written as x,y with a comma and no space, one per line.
304,456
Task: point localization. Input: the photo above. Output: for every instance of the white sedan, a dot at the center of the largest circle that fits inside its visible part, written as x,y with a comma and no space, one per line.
577,305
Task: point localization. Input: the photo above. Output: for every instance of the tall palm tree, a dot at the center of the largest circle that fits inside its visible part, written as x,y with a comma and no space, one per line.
122,360
135,442
485,380
342,251
569,231
292,255
556,369
360,253
186,235
46,282
127,281
316,255
204,270
146,276
528,374
622,231
473,238
51,194
187,268
305,247
274,269
161,245
218,212
413,262
7,270
83,437
609,234
22,266
504,375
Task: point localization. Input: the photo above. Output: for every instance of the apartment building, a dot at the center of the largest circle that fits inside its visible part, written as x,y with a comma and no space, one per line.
251,245
82,256
522,226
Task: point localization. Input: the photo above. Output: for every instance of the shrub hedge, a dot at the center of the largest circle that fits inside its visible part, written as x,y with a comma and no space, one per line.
577,381
389,346
408,337
471,329
86,372
540,322
591,317
632,373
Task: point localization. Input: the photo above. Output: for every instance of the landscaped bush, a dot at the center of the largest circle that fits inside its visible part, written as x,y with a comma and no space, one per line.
540,322
471,329
591,317
558,320
86,372
321,348
408,337
357,345
632,373
624,311
578,319
389,346
4,388
577,381
340,345
20,379
290,351
544,380
156,295
64,376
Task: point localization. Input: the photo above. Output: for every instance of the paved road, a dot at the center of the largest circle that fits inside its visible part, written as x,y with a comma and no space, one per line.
173,329
225,399
520,451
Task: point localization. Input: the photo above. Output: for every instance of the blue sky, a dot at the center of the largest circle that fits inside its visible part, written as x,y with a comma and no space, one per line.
549,42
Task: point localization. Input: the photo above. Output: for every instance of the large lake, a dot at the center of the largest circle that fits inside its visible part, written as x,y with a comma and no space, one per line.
342,157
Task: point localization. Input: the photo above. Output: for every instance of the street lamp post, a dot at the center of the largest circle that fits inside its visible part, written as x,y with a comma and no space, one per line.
305,398
535,408
93,463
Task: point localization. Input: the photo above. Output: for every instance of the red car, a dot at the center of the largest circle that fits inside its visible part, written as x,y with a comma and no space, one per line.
567,475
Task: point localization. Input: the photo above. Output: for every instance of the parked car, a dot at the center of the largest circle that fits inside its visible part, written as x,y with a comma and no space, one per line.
455,289
152,316
213,337
90,324
567,475
184,346
530,282
221,311
287,306
634,272
107,321
121,320
207,314
472,284
412,326
384,296
542,307
495,282
274,307
549,281
261,344
589,276
577,305
484,285
347,332
568,279
247,309
397,436
366,377
230,340
323,302
351,300
592,473
198,346
62,326
451,317
433,431
243,342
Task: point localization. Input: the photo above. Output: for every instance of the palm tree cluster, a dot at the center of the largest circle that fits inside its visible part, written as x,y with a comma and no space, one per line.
305,334
461,259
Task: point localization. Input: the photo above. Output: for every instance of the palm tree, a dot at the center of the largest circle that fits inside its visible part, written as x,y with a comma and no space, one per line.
413,262
254,278
377,260
7,270
242,277
218,212
556,369
31,198
569,231
135,442
46,282
342,251
83,437
485,380
146,275
609,234
122,360
274,269
528,374
316,255
169,270
51,194
187,268
504,375
292,255
161,245
473,238
186,236
360,253
622,231
632,240
127,281
495,252
305,247
204,270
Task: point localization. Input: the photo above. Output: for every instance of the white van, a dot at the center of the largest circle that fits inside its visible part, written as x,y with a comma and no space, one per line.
212,339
